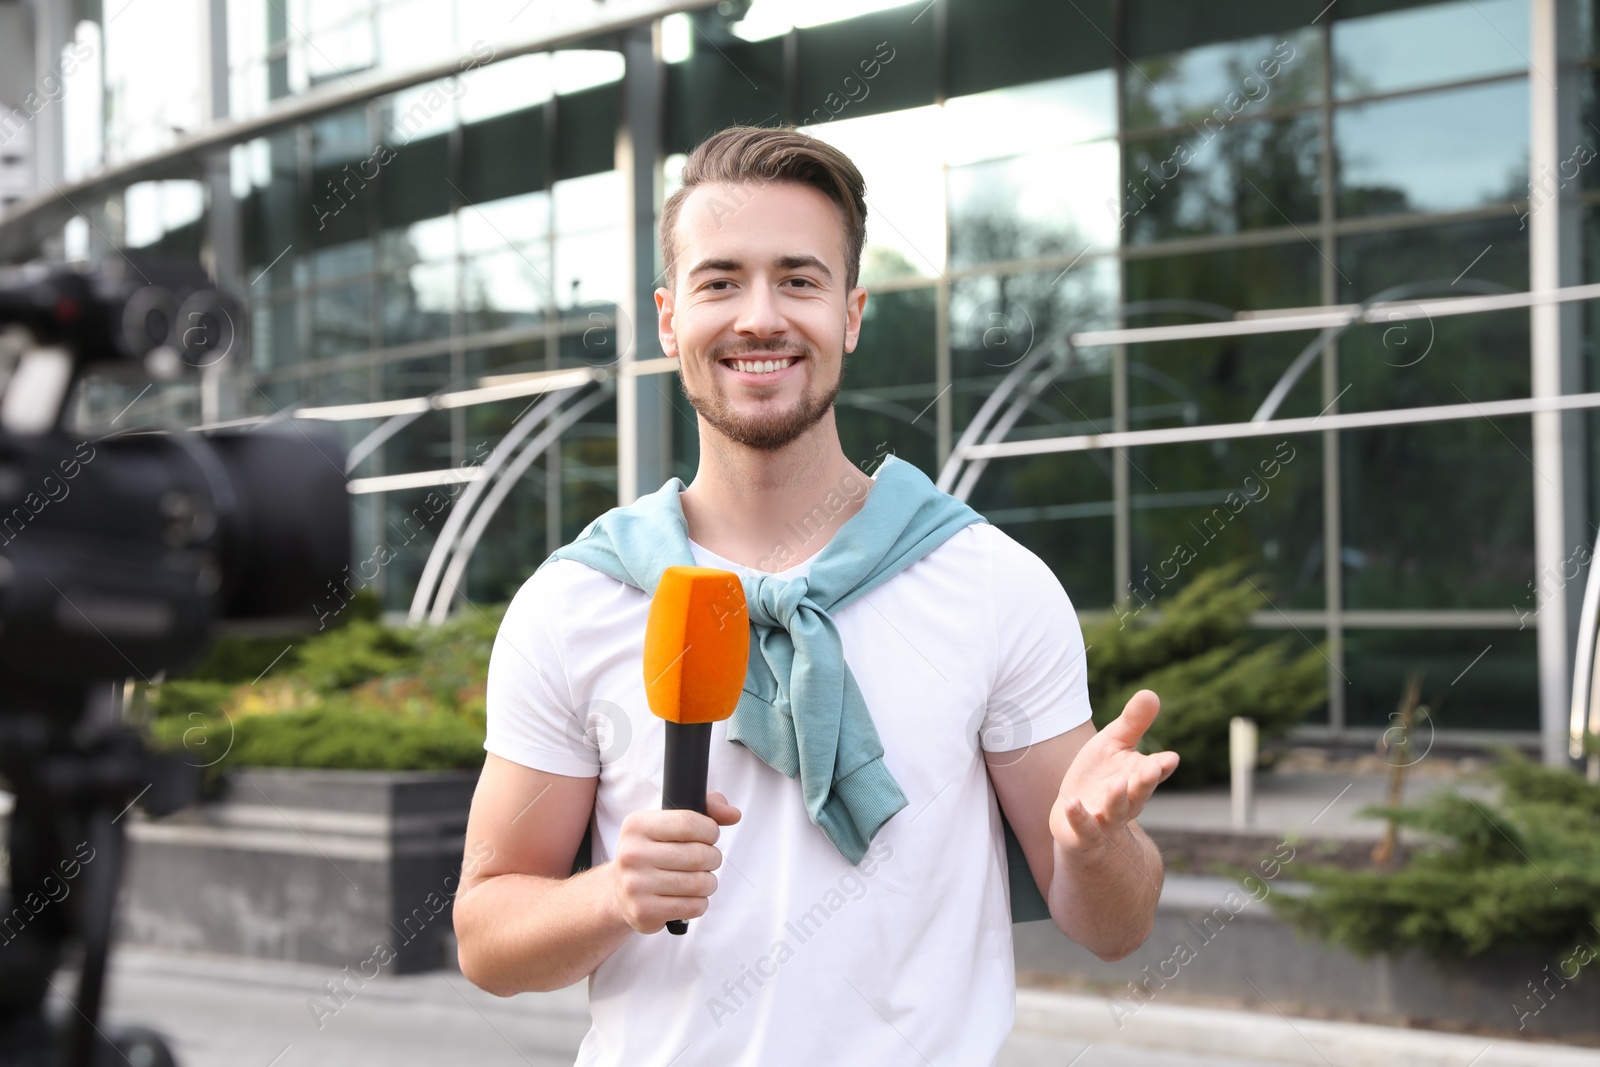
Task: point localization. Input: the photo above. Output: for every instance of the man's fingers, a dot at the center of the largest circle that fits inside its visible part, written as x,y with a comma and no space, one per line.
1137,715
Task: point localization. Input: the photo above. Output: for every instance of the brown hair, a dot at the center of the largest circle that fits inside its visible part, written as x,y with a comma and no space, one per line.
740,155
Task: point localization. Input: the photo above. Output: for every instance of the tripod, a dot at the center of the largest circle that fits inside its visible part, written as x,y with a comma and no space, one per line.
74,779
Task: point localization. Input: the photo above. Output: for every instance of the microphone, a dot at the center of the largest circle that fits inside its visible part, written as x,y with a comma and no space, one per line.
696,653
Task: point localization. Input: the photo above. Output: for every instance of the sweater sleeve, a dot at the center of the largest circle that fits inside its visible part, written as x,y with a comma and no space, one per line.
1041,681
532,718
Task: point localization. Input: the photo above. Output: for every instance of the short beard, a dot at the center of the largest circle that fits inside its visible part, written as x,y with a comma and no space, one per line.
768,433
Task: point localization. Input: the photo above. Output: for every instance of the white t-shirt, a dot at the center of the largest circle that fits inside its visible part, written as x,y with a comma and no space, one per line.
801,958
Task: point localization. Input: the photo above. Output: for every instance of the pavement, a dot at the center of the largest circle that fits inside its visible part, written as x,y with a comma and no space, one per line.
1311,798
220,1012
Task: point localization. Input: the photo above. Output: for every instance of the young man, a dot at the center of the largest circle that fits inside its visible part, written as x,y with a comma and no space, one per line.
860,914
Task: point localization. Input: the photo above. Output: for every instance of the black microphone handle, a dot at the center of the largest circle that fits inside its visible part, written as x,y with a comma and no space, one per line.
683,779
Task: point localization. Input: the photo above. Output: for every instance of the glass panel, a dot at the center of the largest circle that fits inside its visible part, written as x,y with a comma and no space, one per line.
997,320
423,445
1199,506
427,241
899,158
590,268
325,14
1464,149
505,289
1249,175
412,519
1215,83
588,469
1224,379
340,138
273,213
410,34
871,65
515,541
772,18
1415,362
520,358
341,261
334,54
589,202
509,85
1012,42
887,393
1429,44
1030,118
1412,492
1060,508
277,337
593,335
491,226
339,387
152,210
341,320
1033,207
1500,691
417,305
572,70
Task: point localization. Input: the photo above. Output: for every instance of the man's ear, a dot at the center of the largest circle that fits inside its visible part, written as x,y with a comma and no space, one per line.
854,305
664,332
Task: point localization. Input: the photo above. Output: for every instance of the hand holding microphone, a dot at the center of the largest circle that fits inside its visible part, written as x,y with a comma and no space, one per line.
696,653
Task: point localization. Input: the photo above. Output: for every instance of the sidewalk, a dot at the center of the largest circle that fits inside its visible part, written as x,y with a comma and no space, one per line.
227,1013
1322,802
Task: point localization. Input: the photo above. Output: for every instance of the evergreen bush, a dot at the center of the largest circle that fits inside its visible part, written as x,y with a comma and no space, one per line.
359,696
1518,874
1197,658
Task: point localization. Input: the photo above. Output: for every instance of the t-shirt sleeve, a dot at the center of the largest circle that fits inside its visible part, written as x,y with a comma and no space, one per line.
531,714
1041,682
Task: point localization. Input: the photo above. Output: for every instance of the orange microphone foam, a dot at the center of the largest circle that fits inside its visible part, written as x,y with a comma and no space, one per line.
696,645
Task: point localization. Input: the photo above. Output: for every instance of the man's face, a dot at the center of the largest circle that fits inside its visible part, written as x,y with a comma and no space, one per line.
760,278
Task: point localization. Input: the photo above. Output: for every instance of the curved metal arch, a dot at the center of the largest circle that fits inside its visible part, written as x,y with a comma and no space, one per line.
1585,701
1013,414
1008,385
524,426
1319,344
504,482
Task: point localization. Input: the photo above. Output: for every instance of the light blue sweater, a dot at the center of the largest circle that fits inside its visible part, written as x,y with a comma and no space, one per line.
797,658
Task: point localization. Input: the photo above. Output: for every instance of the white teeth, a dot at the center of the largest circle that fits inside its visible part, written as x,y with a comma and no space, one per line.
761,366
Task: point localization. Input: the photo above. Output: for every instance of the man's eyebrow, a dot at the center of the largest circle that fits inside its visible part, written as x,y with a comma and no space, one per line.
796,262
714,264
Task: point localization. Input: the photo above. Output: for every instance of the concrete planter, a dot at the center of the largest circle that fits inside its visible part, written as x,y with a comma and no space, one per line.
1206,945
339,868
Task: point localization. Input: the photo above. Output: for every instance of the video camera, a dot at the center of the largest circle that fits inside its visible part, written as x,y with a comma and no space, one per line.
121,556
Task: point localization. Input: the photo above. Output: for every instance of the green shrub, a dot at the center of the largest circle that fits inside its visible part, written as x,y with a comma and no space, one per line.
361,696
180,699
1520,874
1197,659
353,654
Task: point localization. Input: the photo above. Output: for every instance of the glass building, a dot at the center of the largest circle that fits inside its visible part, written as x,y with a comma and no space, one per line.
1105,239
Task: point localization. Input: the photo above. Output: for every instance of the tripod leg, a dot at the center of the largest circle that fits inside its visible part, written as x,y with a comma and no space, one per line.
97,885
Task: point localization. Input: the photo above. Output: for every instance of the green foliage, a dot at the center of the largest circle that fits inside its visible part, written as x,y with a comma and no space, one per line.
178,700
353,654
243,659
1197,659
361,696
1522,874
335,735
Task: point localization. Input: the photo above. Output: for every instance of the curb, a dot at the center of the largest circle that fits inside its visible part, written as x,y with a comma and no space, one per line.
1314,1042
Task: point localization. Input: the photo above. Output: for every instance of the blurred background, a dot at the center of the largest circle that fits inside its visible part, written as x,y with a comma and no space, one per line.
441,217
399,225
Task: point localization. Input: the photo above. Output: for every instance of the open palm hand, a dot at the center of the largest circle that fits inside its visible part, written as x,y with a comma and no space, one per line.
1110,780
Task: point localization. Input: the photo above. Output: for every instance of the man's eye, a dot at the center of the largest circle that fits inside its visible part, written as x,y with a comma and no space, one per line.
801,281
716,284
